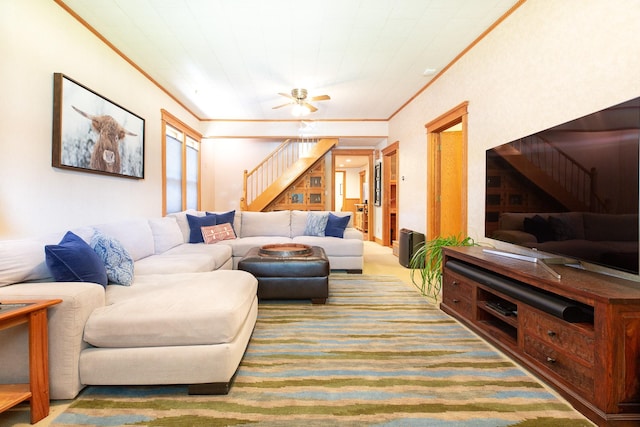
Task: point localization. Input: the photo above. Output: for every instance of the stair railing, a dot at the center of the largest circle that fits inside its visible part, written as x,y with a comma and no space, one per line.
574,178
262,176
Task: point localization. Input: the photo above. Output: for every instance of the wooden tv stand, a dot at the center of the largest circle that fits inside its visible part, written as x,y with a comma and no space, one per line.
580,334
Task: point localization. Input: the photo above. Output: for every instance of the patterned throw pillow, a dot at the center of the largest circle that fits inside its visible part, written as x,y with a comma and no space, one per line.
116,259
217,233
316,223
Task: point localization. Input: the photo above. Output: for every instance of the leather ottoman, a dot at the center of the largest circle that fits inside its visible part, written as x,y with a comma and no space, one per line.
289,277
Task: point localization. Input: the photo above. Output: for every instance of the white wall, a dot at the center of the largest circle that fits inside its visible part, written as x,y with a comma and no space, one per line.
38,38
228,158
549,62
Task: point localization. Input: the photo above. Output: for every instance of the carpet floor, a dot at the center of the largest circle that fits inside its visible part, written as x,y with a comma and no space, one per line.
376,354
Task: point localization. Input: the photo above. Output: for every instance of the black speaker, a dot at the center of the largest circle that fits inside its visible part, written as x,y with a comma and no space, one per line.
409,242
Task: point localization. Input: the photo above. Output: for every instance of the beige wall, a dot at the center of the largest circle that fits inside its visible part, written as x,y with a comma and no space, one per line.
549,62
37,39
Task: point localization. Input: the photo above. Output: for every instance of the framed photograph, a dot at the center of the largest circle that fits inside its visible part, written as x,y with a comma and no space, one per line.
377,199
297,198
93,134
315,181
315,198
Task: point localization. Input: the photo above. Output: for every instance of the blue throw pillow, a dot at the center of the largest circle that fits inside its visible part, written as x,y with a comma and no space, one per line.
116,259
195,226
225,218
316,223
336,225
73,260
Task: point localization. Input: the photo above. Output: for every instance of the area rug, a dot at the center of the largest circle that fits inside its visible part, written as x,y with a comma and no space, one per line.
376,354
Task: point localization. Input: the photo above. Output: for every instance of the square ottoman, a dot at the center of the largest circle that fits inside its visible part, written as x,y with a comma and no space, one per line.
289,277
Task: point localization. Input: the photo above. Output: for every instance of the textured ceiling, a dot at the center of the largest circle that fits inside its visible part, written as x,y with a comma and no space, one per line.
229,59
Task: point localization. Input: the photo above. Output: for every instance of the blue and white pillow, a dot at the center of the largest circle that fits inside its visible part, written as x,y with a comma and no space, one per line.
316,224
116,259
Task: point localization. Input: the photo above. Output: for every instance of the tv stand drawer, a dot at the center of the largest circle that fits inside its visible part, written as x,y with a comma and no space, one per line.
561,363
565,337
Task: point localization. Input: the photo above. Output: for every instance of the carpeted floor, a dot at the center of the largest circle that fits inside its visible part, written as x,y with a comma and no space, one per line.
376,354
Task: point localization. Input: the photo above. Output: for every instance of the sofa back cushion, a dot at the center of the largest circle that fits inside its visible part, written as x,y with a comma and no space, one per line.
265,224
181,219
22,261
298,223
135,236
166,233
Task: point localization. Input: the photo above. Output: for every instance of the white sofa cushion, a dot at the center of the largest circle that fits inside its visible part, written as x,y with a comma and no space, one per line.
266,224
185,258
181,219
166,233
135,235
333,246
241,246
172,310
21,261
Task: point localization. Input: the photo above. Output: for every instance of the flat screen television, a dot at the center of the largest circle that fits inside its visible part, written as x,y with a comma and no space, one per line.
571,191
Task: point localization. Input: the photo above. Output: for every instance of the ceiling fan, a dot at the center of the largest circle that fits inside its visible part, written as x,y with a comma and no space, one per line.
298,99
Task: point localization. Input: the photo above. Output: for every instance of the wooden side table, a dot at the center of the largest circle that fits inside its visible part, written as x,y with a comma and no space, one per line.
33,312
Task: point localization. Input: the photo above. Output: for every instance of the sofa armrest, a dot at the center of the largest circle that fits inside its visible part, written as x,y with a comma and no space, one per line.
352,233
514,236
66,327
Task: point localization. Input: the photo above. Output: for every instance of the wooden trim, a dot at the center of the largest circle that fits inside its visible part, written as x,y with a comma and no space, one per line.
388,151
448,119
163,125
452,117
187,131
177,123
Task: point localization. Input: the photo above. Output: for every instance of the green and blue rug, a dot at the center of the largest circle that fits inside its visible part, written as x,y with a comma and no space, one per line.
376,354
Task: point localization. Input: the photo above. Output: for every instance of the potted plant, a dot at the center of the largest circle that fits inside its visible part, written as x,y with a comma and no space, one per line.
426,263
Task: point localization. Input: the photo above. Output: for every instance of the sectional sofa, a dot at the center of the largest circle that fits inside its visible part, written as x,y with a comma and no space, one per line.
184,316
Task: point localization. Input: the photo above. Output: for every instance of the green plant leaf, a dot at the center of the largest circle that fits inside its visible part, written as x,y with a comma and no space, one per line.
426,263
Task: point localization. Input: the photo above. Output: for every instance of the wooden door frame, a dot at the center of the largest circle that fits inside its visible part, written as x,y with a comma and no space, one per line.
364,153
388,151
457,115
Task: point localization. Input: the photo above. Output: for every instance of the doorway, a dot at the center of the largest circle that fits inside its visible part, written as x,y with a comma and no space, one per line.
447,174
390,194
357,185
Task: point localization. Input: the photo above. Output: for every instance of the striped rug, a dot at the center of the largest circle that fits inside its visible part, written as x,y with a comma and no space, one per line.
376,354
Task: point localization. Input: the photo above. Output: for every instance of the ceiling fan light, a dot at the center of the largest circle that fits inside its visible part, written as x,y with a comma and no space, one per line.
300,110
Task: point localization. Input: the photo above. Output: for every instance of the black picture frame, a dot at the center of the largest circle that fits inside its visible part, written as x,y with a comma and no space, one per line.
377,191
93,134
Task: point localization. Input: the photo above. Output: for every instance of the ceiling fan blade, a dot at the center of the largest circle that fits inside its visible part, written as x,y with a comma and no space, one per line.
283,105
320,98
310,107
286,95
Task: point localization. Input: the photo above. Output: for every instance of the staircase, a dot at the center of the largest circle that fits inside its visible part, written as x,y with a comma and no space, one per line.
280,170
555,172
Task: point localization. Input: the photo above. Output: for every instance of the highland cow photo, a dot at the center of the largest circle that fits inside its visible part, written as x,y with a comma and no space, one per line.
92,134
